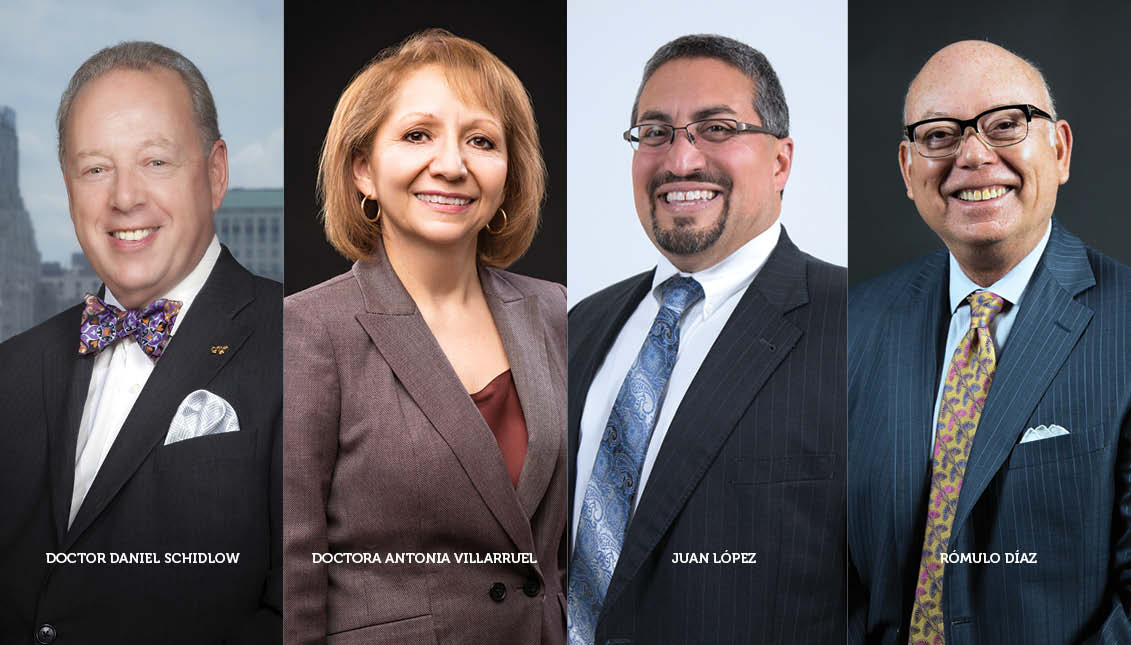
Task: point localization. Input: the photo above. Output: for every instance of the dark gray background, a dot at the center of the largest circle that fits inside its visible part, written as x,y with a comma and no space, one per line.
327,43
1083,53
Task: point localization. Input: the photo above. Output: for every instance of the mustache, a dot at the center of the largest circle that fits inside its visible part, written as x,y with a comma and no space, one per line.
703,176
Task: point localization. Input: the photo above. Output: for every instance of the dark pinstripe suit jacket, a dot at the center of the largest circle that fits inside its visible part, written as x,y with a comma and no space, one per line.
753,461
211,494
1066,499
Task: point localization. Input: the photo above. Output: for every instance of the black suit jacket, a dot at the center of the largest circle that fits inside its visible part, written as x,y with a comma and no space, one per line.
1065,499
208,495
753,462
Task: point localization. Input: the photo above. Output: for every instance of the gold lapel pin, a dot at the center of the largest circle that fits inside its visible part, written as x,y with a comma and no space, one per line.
219,349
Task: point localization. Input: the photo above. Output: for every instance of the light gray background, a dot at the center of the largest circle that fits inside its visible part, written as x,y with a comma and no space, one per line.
238,46
608,44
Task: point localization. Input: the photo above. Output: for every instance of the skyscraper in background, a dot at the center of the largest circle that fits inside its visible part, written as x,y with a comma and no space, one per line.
19,256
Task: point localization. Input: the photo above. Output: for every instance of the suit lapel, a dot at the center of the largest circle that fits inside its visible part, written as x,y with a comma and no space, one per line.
407,345
1048,326
66,381
755,340
186,366
916,332
586,353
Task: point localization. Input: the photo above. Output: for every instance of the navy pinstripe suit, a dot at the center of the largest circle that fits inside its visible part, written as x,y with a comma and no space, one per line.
753,461
1065,499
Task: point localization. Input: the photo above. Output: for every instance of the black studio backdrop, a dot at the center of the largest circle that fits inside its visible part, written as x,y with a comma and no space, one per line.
1082,51
327,43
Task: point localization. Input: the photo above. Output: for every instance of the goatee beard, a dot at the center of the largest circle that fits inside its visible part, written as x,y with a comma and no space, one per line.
682,238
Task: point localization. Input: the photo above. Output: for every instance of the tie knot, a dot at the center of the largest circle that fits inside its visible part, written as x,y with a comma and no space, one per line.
679,293
984,305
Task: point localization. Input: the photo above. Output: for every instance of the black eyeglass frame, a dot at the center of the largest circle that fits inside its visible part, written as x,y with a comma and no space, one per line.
1029,110
739,127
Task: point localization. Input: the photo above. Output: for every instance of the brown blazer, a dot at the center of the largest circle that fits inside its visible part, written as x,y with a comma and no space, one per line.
385,452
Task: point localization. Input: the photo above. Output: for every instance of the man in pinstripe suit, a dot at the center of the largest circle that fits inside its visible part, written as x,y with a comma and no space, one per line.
989,386
706,437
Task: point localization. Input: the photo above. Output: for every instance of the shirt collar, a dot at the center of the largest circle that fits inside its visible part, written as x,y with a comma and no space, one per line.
1011,286
187,289
728,276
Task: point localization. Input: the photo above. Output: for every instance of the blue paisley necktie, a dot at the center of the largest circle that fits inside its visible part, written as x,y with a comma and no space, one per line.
612,488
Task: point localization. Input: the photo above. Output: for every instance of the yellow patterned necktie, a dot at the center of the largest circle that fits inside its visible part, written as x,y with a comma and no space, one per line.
967,384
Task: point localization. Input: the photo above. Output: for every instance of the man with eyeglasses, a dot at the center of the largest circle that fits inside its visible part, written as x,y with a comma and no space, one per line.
706,396
989,386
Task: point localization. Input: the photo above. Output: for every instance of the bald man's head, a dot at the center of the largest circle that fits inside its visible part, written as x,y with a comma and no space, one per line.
957,57
990,198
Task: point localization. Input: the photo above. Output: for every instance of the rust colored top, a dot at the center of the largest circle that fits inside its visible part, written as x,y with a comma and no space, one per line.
498,403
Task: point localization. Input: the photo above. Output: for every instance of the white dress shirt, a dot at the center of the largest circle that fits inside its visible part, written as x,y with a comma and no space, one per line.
723,285
1011,287
120,373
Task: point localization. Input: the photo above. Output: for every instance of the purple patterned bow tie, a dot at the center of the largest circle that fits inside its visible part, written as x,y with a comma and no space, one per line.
104,324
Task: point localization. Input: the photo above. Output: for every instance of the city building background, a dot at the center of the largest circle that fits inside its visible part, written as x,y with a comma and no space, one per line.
19,255
250,223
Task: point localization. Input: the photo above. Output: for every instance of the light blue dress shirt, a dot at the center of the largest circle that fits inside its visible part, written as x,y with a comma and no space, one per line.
1011,287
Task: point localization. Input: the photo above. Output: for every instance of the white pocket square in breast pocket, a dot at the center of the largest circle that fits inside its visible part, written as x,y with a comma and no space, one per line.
1043,432
202,413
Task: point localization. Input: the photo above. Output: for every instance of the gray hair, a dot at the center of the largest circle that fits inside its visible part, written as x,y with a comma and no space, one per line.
143,56
769,99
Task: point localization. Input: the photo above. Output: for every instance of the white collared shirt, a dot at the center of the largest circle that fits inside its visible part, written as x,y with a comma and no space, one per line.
723,285
120,373
1011,287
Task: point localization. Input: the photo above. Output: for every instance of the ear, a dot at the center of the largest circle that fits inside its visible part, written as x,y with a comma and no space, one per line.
906,155
218,173
363,177
1062,135
783,162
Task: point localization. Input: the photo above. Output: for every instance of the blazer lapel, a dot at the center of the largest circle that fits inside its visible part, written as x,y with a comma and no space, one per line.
754,341
66,379
1048,326
915,327
186,366
524,339
407,345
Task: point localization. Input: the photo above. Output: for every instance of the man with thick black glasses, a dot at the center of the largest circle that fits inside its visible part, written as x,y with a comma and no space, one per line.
989,386
706,396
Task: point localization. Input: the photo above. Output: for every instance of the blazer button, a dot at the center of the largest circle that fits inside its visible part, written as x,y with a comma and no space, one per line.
498,592
531,587
45,634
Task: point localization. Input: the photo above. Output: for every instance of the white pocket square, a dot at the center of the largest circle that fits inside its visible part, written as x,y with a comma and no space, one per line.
1043,432
202,413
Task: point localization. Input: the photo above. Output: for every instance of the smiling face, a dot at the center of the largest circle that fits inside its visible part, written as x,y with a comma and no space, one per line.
700,203
989,205
437,166
141,190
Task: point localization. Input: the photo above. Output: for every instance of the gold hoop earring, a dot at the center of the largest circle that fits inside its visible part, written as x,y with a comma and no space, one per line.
500,229
375,217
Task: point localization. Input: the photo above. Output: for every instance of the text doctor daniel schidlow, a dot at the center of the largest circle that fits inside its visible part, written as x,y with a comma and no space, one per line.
142,557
